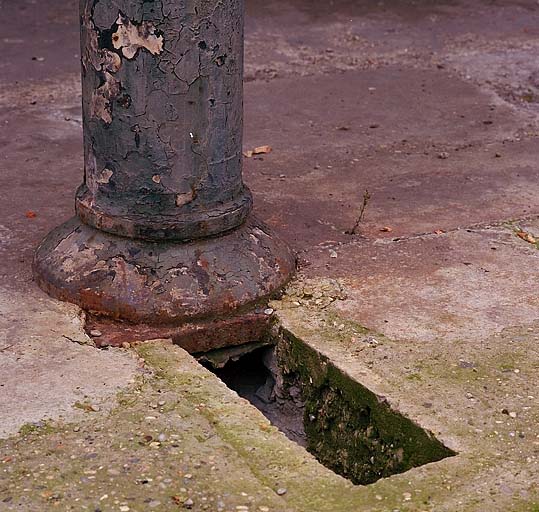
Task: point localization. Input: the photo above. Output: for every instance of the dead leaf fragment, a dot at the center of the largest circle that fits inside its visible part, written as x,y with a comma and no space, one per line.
262,150
527,237
86,406
30,214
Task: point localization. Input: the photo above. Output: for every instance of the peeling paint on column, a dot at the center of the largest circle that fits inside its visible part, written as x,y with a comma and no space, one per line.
105,176
182,199
101,59
162,95
129,38
101,106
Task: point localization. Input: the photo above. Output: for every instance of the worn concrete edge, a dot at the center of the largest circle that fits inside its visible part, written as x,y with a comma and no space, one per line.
278,461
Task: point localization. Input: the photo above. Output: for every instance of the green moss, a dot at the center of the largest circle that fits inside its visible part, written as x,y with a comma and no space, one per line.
242,444
42,428
349,428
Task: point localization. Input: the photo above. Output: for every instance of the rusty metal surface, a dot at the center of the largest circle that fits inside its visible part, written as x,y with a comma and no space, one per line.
175,226
162,283
200,336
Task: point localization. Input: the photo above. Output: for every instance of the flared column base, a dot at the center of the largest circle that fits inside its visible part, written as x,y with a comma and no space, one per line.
166,287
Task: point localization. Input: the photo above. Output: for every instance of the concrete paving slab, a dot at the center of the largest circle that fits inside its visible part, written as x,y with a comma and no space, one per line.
432,108
478,398
412,192
48,367
464,285
293,38
181,439
38,43
412,189
429,162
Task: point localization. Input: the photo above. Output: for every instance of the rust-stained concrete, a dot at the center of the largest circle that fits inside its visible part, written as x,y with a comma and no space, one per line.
433,109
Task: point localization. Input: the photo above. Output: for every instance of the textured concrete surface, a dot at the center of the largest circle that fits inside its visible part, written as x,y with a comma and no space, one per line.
432,108
48,368
477,392
181,440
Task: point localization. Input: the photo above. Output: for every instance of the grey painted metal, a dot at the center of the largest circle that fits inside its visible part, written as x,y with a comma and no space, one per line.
162,99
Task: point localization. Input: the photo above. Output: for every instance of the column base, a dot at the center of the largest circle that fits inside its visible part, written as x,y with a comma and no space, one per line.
199,336
165,284
158,227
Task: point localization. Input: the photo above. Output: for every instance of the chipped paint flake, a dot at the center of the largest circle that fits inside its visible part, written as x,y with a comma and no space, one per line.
130,37
182,199
104,176
102,97
111,61
101,59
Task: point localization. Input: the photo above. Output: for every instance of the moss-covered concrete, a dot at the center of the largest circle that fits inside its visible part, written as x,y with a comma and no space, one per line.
479,399
349,428
180,439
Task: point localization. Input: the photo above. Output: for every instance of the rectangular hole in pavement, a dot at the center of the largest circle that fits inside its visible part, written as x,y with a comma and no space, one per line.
343,424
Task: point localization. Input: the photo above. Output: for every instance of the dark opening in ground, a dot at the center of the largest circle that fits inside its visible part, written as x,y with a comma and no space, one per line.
252,379
343,424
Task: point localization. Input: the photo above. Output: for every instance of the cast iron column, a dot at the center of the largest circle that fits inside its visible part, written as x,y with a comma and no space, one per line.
163,235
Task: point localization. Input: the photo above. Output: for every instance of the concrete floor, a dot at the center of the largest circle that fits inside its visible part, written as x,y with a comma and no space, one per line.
430,106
